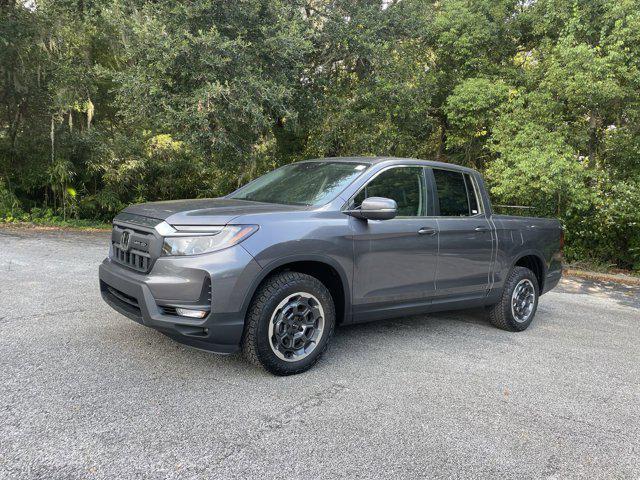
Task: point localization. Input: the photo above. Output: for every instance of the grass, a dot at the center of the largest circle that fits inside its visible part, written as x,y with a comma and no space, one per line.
599,267
52,221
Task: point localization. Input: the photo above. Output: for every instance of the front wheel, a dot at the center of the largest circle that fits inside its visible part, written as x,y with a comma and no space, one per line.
518,303
289,323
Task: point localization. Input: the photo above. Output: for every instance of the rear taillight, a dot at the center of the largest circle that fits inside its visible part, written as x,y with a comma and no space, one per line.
561,239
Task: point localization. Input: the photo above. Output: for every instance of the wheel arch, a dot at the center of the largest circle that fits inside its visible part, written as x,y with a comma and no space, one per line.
535,262
325,269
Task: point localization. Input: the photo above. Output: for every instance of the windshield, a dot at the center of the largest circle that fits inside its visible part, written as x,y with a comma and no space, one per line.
306,183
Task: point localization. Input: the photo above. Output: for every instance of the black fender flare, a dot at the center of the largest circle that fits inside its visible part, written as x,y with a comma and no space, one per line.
274,265
531,252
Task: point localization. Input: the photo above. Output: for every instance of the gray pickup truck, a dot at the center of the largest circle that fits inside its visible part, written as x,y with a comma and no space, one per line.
273,267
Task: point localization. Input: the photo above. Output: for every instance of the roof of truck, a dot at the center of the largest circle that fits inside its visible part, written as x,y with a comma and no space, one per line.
374,160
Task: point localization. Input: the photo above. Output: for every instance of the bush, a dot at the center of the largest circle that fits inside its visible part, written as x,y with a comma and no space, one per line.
9,204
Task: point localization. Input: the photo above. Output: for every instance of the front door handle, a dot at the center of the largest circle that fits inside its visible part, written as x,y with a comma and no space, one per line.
427,231
481,229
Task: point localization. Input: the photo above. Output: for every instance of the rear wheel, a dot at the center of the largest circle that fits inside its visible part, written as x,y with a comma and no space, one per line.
289,323
518,303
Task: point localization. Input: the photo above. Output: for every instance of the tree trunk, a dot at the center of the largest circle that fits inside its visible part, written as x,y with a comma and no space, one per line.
442,141
52,136
593,141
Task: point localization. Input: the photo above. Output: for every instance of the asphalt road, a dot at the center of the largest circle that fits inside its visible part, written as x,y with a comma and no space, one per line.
87,393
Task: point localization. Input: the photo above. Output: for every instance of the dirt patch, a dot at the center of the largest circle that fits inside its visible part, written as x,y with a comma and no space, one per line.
603,277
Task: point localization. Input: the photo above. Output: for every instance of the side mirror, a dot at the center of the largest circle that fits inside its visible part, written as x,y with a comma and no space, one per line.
375,208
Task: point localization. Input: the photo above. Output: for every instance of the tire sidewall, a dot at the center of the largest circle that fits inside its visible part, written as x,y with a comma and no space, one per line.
264,351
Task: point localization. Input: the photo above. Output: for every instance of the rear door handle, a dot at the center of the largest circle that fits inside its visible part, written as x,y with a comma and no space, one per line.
427,231
481,229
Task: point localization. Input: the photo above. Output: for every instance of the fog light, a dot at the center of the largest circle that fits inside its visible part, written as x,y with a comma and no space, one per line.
185,312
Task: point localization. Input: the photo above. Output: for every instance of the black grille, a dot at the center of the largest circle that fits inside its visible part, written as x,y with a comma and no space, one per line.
206,289
136,260
133,248
122,296
122,301
169,310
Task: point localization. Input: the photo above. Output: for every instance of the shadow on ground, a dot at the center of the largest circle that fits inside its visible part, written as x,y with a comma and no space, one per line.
626,295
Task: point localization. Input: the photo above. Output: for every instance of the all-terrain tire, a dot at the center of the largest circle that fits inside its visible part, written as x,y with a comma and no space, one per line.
501,314
256,343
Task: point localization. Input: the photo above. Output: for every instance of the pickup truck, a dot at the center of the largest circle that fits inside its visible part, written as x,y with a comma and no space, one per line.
272,268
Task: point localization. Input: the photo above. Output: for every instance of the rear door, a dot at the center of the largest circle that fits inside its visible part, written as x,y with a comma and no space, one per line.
466,238
395,260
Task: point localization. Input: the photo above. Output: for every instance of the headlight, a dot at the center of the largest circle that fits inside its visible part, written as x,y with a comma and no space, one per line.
182,243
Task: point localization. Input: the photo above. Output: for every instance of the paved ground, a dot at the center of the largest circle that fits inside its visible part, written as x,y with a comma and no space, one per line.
86,393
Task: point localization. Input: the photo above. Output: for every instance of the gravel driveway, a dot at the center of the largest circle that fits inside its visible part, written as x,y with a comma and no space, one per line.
87,393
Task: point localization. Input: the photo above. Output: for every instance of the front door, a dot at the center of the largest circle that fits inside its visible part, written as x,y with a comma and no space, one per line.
395,260
466,237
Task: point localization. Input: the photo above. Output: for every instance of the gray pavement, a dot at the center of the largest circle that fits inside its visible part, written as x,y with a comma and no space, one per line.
87,393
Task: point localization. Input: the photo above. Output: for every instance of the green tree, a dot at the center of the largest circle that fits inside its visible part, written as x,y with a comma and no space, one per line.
107,102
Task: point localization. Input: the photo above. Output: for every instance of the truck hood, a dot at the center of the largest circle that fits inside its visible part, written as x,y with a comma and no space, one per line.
205,211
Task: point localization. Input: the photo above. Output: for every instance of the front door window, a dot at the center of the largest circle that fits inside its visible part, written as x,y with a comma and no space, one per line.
405,185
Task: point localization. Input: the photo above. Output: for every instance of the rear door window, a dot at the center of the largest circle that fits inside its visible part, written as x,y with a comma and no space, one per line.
456,193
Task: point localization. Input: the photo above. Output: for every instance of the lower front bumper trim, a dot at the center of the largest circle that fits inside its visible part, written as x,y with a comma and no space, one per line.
207,346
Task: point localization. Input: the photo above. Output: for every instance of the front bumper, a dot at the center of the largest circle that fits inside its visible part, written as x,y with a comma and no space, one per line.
184,281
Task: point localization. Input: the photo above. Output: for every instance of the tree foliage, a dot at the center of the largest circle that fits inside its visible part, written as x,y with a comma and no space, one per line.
108,102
